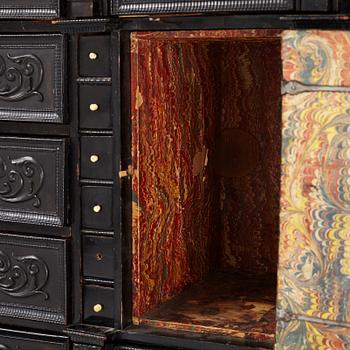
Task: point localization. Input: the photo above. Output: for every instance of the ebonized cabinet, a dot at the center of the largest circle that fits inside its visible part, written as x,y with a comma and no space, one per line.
97,94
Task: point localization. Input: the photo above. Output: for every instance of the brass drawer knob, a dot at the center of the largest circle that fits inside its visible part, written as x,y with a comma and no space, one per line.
98,308
94,107
99,256
97,208
94,158
93,56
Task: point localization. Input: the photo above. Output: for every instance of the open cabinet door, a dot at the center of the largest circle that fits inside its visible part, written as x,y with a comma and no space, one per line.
313,310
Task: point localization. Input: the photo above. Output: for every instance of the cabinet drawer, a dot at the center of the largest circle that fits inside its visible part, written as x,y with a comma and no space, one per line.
98,305
98,257
33,279
97,207
31,77
94,56
29,9
96,157
94,107
32,180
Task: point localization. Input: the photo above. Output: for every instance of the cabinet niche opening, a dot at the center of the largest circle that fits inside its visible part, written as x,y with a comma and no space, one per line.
206,142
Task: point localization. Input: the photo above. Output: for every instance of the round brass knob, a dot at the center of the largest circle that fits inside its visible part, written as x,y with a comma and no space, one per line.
98,308
97,208
94,158
94,107
93,56
99,256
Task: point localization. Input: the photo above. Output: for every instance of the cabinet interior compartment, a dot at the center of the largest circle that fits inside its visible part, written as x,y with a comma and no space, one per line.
206,142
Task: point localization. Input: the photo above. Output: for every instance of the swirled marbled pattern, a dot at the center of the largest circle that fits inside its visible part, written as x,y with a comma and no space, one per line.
314,268
317,57
307,335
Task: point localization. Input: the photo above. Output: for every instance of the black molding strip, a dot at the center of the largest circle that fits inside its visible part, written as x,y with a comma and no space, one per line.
148,7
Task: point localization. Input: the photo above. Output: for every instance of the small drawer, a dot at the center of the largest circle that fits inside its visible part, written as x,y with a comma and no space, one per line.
99,305
94,56
33,181
94,107
97,157
33,284
11,340
32,77
98,257
97,207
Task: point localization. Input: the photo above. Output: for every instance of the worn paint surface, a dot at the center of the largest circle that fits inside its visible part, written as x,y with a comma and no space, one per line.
314,266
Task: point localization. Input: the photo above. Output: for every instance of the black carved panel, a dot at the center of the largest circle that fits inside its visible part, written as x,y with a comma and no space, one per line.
188,6
31,78
33,282
29,8
32,180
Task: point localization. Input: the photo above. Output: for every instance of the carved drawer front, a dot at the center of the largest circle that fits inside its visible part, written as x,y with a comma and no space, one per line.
94,58
32,180
30,8
14,340
98,305
33,283
97,157
97,207
94,107
98,254
31,77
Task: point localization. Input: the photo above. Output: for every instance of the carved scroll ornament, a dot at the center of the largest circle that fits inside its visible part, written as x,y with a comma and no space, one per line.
22,276
20,180
22,79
